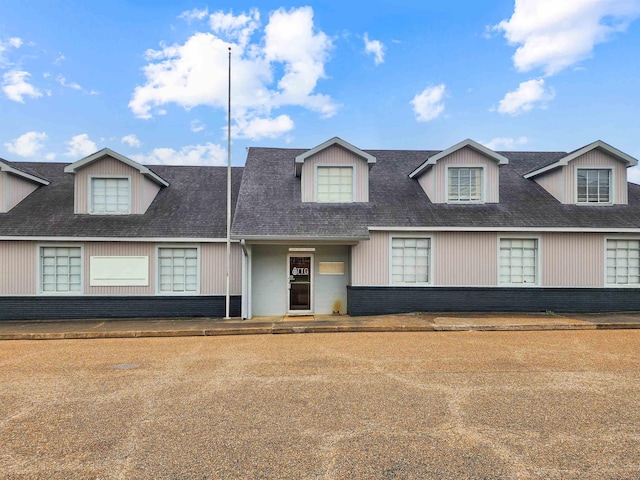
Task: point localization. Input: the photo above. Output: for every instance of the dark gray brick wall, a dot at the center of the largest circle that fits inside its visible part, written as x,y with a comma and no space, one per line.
383,300
55,308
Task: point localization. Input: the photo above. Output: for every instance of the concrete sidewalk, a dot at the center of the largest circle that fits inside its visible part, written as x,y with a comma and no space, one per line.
414,322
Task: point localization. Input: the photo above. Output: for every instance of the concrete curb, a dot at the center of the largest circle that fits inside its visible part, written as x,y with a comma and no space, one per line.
284,329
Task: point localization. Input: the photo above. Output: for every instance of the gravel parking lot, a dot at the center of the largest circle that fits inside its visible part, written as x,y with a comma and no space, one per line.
555,404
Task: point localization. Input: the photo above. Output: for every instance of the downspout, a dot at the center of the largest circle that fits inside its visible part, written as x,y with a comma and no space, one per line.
246,267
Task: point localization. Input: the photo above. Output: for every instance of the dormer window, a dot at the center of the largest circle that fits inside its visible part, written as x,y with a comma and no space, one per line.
465,184
594,185
111,195
334,184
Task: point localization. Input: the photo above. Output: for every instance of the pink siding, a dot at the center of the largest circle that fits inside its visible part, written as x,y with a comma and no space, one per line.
573,259
141,194
464,259
370,260
149,191
553,182
118,249
13,190
434,181
597,158
428,183
4,201
213,269
335,155
18,267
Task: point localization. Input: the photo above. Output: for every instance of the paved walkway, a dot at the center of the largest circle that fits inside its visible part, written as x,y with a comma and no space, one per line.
415,322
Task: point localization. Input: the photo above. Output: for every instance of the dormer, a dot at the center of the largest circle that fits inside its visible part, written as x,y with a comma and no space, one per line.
16,185
592,175
466,173
107,183
334,172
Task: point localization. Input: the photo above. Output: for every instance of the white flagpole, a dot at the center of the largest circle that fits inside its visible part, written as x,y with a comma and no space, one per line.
228,297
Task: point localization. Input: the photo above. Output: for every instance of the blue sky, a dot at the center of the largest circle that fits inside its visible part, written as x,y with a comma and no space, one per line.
149,78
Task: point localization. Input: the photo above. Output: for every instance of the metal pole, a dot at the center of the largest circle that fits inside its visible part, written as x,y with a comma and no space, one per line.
228,296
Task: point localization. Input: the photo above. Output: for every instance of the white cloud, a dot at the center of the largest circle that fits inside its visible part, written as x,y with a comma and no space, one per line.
235,28
207,154
505,143
197,126
13,42
428,104
50,157
59,59
196,72
375,48
28,144
258,128
80,146
554,35
16,86
131,140
63,81
528,95
195,14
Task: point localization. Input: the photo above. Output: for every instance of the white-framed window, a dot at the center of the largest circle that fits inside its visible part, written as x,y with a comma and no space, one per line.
178,270
465,184
334,184
623,262
593,185
518,259
60,269
410,260
110,195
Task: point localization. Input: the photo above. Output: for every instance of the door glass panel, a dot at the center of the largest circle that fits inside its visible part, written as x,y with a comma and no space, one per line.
300,283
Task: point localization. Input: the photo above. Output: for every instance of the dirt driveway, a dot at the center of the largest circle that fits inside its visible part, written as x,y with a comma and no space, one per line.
363,405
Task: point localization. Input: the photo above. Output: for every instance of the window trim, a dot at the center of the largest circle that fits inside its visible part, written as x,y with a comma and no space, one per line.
352,166
538,240
39,289
157,272
90,179
612,182
604,281
430,277
483,190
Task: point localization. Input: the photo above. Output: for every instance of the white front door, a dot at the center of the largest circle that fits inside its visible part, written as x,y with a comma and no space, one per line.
299,282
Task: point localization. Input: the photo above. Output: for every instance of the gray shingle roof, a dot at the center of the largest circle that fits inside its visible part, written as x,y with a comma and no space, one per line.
193,206
270,205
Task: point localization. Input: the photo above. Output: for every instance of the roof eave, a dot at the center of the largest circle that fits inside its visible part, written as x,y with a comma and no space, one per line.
73,167
9,169
299,160
499,159
614,152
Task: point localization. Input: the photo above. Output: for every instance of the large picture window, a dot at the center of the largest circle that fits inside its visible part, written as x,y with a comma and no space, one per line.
465,184
623,262
178,270
594,185
110,195
60,269
334,184
410,260
518,261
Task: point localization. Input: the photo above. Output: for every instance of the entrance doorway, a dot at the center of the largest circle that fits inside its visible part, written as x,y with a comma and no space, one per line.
300,271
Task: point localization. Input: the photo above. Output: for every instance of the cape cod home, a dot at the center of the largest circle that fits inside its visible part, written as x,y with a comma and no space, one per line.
333,229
